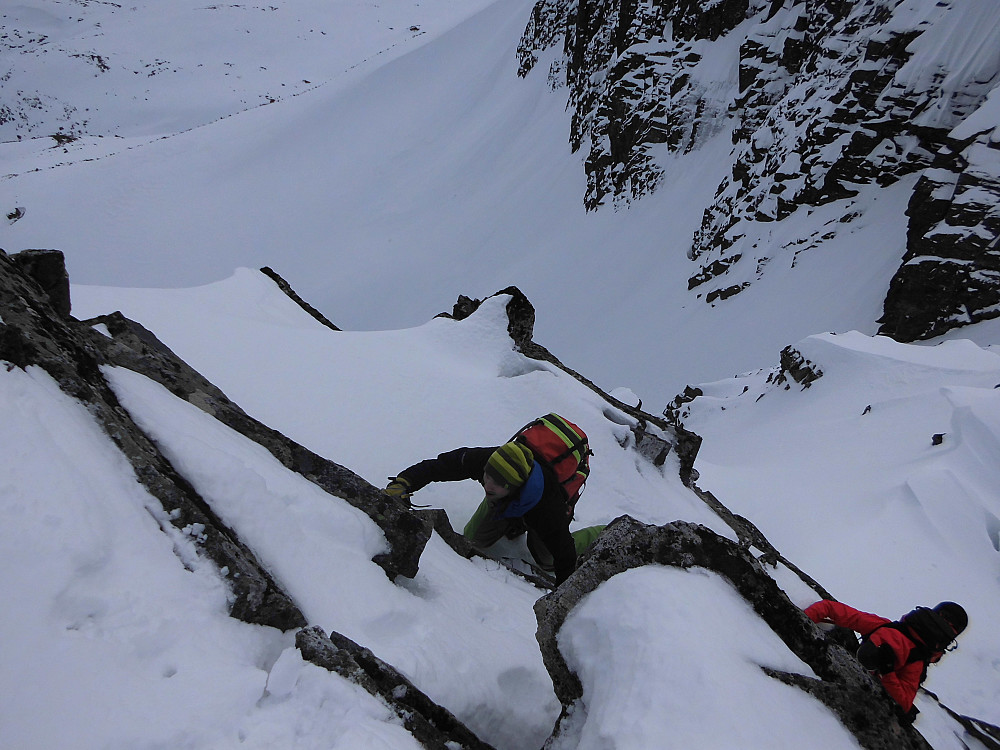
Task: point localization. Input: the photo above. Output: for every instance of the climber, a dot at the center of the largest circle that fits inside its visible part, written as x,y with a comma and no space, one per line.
522,495
898,652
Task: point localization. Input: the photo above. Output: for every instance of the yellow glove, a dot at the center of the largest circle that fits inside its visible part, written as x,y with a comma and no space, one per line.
398,488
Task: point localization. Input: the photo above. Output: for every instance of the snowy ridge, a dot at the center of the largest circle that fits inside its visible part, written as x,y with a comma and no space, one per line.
888,453
461,630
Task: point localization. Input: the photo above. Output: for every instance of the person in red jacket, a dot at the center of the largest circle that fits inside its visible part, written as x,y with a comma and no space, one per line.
898,652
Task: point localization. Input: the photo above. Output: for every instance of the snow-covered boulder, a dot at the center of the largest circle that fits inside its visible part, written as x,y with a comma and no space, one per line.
812,663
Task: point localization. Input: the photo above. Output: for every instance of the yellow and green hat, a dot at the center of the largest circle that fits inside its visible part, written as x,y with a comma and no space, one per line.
511,464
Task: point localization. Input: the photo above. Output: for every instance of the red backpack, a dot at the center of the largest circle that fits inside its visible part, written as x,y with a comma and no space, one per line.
561,446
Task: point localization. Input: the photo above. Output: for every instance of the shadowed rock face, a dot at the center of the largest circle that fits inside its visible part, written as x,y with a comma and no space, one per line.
627,67
950,275
821,102
844,686
47,268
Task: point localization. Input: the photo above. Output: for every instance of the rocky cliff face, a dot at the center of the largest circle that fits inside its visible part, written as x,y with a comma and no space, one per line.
824,100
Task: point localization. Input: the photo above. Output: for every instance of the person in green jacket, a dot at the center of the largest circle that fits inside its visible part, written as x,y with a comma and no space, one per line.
522,495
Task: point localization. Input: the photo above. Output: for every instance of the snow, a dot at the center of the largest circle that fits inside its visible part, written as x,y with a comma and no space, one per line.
382,189
102,604
126,635
297,532
959,40
682,639
387,188
904,521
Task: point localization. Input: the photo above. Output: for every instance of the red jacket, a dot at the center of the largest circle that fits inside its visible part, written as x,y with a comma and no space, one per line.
903,681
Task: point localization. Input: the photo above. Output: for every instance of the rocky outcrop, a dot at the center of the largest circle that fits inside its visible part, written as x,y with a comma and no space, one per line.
628,66
795,367
33,333
824,99
520,315
133,347
950,275
285,287
431,725
843,685
652,437
47,268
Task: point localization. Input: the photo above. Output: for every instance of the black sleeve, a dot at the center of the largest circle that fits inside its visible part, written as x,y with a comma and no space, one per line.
453,466
550,521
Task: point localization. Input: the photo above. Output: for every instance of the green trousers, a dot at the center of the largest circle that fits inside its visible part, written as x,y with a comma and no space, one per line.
484,531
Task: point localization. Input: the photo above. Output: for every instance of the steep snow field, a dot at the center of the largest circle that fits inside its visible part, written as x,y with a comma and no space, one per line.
847,478
126,636
413,168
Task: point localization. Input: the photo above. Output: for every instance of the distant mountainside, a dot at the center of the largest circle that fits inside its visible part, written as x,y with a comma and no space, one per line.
756,172
826,101
103,69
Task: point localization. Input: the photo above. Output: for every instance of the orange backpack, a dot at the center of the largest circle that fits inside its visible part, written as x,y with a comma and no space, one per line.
563,447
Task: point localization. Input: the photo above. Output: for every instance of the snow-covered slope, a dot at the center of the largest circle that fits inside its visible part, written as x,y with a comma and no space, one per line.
403,163
109,611
413,167
882,474
124,629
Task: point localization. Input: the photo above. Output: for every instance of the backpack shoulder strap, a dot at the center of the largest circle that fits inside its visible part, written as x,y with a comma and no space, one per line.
919,652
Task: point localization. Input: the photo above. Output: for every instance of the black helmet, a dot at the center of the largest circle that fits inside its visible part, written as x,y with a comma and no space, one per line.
954,614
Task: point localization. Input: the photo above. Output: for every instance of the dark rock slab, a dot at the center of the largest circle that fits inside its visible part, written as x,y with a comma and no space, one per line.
47,268
434,727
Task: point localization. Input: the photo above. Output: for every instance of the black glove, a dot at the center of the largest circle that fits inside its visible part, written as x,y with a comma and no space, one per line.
874,658
399,489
